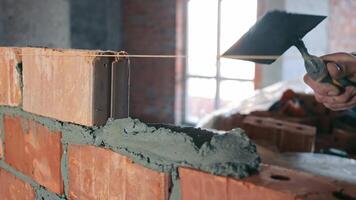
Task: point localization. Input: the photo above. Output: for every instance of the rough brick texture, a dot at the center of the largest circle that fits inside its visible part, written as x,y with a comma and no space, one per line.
10,78
97,173
12,188
286,136
34,150
68,85
342,19
149,27
272,183
198,185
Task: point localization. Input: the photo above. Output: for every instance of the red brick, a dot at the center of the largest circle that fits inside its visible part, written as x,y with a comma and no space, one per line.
68,85
209,187
272,183
98,173
12,188
10,79
286,136
35,151
248,191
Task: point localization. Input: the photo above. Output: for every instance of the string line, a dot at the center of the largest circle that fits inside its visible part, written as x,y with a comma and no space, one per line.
242,57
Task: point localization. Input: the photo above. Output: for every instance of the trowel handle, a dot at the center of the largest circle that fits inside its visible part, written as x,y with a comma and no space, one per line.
317,70
344,82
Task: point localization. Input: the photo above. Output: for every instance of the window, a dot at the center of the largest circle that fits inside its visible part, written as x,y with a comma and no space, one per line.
213,82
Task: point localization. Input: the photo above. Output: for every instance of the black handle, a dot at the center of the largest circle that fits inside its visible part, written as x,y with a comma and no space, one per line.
344,82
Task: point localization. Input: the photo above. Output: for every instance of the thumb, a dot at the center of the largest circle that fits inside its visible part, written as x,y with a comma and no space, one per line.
336,71
341,65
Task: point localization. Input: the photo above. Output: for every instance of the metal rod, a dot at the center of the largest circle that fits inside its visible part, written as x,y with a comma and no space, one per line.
218,62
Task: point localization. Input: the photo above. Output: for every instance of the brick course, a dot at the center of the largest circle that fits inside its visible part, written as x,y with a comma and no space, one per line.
286,136
196,186
97,173
10,79
34,150
68,85
11,188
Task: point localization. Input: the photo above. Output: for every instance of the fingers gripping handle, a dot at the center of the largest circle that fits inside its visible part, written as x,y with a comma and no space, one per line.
317,70
343,82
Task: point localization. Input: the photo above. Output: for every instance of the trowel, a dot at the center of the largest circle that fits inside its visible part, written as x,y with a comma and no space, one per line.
274,34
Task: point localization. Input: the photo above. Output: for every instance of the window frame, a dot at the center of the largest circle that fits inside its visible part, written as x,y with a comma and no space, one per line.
217,77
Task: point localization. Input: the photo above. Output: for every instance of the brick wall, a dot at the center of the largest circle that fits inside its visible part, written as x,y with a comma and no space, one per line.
48,147
44,92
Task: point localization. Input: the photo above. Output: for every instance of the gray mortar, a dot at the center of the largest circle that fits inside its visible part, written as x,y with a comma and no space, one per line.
175,187
165,149
64,169
41,192
19,175
159,147
2,135
51,124
74,134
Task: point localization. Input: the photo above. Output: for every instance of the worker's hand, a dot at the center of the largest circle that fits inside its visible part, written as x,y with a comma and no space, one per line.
339,65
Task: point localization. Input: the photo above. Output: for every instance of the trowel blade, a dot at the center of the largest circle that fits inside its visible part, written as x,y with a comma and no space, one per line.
271,36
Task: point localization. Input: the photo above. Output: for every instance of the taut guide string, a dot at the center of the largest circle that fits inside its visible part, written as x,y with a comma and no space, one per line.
126,56
254,57
162,56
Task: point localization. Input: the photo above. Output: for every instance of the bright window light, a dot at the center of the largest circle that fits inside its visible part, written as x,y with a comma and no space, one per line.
213,82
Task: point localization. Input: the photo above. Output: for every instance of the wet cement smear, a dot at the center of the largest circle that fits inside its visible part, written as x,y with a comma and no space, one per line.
163,148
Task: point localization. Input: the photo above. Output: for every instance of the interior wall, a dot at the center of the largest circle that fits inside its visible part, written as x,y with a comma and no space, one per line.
342,23
149,28
34,23
81,24
96,24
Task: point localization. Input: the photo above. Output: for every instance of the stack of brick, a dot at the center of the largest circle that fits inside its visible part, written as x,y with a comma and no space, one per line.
45,93
276,134
286,136
295,123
